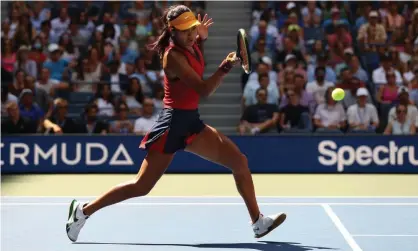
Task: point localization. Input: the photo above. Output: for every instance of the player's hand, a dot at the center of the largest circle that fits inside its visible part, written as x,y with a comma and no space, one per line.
232,58
203,28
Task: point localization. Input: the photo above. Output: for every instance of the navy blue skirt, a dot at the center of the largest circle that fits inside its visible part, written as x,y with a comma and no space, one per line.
173,130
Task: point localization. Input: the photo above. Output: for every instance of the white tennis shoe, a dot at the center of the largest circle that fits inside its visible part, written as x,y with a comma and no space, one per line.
265,225
76,220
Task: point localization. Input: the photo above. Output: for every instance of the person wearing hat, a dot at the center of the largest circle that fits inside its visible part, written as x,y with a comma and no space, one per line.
372,32
348,53
379,74
55,64
362,116
28,108
404,99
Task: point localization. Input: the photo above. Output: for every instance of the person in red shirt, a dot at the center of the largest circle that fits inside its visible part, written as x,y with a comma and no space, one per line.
179,126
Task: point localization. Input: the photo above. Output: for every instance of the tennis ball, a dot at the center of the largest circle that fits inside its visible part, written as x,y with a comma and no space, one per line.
338,94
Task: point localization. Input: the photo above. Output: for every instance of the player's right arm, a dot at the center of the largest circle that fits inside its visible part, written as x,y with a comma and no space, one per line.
175,63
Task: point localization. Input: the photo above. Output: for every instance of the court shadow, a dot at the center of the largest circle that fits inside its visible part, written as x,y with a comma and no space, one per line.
261,246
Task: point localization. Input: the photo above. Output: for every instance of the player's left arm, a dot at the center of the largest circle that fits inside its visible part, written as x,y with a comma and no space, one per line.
203,30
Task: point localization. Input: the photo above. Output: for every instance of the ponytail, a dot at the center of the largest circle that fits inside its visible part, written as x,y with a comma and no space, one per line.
163,40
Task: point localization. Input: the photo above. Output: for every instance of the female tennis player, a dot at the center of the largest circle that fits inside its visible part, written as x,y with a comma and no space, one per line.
179,126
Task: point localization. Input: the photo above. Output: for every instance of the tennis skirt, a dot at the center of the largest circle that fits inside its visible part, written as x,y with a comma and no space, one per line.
173,130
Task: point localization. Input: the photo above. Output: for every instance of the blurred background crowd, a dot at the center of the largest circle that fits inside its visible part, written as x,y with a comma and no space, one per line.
303,50
82,67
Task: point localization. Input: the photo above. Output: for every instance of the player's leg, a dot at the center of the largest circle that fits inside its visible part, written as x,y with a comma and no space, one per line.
216,147
152,168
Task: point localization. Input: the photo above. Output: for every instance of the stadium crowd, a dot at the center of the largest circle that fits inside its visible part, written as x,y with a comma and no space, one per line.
301,51
82,67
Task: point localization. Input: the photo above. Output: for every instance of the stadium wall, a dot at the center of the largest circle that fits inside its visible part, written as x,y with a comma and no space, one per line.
266,154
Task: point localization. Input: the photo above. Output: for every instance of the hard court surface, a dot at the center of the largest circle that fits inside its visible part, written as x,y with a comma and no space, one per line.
215,222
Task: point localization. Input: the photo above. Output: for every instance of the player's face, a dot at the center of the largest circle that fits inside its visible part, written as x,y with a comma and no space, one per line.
186,37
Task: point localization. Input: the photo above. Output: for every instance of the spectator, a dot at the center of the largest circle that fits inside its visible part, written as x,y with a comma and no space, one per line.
402,125
41,97
109,29
18,83
394,23
291,63
8,57
49,85
79,33
338,42
105,102
357,71
96,67
319,86
412,111
55,64
312,15
388,93
322,61
259,118
134,96
329,116
117,81
24,63
37,54
249,97
122,124
317,49
59,122
362,117
93,125
158,99
260,52
305,99
147,78
70,52
262,31
6,97
126,55
289,49
147,121
379,75
348,55
294,115
17,124
30,109
59,25
372,33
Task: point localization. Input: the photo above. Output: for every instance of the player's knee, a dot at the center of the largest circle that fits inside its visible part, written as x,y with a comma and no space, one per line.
140,189
240,164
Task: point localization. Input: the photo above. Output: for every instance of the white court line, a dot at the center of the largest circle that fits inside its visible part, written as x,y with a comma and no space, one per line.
211,204
384,235
220,196
347,236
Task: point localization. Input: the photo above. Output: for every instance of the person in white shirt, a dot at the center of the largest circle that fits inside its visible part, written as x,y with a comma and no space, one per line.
59,25
412,111
329,116
147,121
362,117
249,97
319,86
379,75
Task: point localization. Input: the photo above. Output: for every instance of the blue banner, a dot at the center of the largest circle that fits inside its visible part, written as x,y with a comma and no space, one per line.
266,154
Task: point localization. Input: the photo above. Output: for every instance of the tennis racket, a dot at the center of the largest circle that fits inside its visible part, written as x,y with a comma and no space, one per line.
243,51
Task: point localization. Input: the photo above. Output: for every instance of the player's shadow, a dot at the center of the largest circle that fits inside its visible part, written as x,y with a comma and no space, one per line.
261,246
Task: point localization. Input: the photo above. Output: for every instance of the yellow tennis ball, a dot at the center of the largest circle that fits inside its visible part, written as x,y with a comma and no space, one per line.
338,94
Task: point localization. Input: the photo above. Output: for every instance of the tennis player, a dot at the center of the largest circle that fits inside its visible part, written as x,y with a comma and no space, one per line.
179,126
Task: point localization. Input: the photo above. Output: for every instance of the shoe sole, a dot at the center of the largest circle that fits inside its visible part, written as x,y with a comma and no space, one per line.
276,223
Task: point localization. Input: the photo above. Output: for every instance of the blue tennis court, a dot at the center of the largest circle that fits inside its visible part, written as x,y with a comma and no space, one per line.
214,223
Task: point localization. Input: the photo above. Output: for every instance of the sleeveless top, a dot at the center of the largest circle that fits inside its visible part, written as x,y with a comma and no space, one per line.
401,128
177,94
389,95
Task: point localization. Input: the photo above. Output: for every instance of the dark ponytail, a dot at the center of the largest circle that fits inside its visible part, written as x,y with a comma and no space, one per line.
163,40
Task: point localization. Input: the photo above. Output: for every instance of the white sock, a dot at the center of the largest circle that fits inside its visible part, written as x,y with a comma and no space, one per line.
79,213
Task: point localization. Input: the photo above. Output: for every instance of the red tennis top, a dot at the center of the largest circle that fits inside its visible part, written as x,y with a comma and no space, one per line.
177,94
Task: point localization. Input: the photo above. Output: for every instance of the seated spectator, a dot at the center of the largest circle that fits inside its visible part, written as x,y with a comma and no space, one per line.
394,22
401,125
59,25
49,85
37,53
289,49
292,63
105,100
329,116
372,33
134,96
317,49
8,57
147,121
96,67
379,75
388,93
117,81
127,55
412,111
322,61
122,124
30,109
18,84
55,64
292,115
288,81
158,99
259,118
249,97
350,85
58,122
362,117
24,63
357,71
260,51
41,97
147,78
348,55
263,67
6,97
319,86
262,31
312,15
69,51
338,42
306,99
93,125
334,17
15,123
